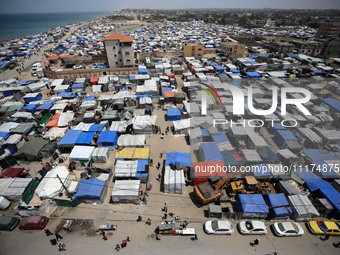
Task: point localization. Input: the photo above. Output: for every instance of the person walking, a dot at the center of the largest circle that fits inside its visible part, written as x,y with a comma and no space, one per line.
256,241
158,165
48,232
161,155
58,237
336,245
326,237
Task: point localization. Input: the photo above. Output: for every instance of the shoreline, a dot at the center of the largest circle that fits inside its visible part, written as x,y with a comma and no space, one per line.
52,28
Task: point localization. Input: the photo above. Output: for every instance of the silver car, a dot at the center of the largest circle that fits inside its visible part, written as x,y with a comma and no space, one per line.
252,227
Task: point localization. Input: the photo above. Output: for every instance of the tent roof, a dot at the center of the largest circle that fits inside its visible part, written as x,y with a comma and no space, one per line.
252,203
69,138
92,188
182,158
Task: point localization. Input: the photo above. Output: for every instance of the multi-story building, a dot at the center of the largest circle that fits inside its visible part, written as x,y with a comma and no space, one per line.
270,22
313,48
119,50
193,50
329,29
233,49
280,47
332,48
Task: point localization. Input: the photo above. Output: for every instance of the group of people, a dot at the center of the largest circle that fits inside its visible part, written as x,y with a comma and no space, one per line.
58,238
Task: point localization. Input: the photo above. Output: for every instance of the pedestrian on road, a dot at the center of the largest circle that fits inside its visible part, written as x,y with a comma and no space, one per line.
58,237
195,238
159,177
165,209
48,232
161,155
104,237
128,239
336,245
325,238
158,165
53,241
256,241
117,247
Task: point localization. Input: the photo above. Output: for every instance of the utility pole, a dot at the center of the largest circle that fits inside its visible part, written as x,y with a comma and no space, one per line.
68,194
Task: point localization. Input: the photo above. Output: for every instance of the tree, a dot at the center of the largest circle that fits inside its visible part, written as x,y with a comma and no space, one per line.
313,24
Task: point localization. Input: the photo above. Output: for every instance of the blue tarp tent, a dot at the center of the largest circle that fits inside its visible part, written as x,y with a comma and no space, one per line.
324,170
29,107
219,137
211,152
279,204
252,204
108,138
92,189
44,107
97,127
269,155
182,158
173,114
32,97
89,98
332,196
141,165
85,138
281,136
332,103
4,135
77,85
70,138
142,71
67,95
219,69
319,72
235,83
253,75
317,155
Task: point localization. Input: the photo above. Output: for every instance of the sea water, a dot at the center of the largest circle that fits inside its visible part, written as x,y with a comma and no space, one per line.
18,25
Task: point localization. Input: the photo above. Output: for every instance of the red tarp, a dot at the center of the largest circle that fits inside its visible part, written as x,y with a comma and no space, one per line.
12,172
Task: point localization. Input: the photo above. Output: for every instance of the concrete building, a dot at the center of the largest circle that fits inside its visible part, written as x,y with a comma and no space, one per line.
313,48
281,47
270,22
193,50
329,29
332,48
233,49
119,50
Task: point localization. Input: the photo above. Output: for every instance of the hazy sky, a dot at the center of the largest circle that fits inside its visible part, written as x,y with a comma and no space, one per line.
34,6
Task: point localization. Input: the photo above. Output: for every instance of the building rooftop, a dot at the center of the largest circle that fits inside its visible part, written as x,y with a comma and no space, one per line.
120,37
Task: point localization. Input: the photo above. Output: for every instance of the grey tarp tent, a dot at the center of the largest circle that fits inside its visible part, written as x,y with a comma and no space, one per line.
31,149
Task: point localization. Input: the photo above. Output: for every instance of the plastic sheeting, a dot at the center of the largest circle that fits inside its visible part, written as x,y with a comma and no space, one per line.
210,152
279,204
131,140
174,181
85,138
303,209
133,153
81,153
100,154
126,191
173,114
55,133
125,168
50,185
65,118
90,189
70,138
108,138
178,157
14,188
252,204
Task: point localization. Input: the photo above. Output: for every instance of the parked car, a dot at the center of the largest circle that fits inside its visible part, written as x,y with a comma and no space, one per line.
33,222
288,229
252,227
77,67
219,227
324,227
8,223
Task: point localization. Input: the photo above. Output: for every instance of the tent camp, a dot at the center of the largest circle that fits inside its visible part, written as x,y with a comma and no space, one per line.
125,169
173,181
126,191
69,139
31,149
178,158
93,190
279,205
210,152
133,153
100,154
55,133
50,186
108,139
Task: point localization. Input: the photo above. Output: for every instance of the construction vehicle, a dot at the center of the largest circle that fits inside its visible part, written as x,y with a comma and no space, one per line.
249,185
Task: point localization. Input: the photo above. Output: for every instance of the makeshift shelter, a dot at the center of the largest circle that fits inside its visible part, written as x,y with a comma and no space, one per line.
65,118
31,149
210,152
48,150
126,191
143,124
69,139
173,114
303,209
100,154
93,190
14,188
131,141
252,206
23,128
108,139
85,138
50,186
288,189
175,158
279,205
12,172
125,169
81,155
54,133
30,97
173,181
133,153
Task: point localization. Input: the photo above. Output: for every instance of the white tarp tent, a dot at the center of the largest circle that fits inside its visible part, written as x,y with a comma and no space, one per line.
303,209
50,186
54,133
143,124
174,181
131,140
126,168
100,154
81,153
126,191
17,188
65,118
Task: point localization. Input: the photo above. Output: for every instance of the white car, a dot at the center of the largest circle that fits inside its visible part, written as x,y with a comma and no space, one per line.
77,67
219,227
288,229
252,227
